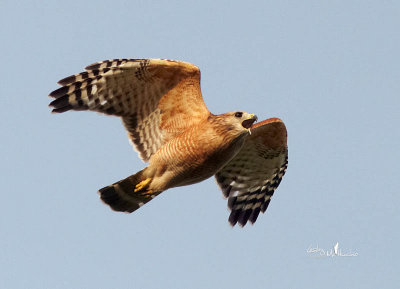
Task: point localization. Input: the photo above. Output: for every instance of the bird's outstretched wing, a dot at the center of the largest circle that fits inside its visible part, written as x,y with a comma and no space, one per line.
251,177
156,99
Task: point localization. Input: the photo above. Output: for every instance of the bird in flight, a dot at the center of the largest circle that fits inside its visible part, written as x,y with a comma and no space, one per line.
168,123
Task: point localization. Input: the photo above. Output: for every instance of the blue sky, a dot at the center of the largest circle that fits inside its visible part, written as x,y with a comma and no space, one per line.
328,69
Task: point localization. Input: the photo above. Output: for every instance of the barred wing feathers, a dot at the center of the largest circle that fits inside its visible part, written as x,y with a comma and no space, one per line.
155,98
251,177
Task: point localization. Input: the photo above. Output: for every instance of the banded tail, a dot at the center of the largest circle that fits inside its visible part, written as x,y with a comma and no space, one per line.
128,194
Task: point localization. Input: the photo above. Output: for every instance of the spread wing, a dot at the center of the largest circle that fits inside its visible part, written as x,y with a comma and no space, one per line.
251,177
156,99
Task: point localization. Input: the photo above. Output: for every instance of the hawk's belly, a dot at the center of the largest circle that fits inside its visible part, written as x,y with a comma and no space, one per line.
199,167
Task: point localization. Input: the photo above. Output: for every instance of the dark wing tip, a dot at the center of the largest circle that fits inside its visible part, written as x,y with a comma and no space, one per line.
60,104
94,66
233,218
244,217
67,80
264,206
59,92
254,215
62,109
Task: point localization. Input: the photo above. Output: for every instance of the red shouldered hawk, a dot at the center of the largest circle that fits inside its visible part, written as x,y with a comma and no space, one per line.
161,106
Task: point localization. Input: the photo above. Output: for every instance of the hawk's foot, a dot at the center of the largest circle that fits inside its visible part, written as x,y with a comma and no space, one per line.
142,184
148,193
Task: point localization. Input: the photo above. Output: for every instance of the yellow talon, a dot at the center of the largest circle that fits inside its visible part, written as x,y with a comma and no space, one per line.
142,184
147,193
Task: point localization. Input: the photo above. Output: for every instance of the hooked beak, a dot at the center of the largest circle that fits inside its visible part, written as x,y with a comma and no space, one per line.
249,122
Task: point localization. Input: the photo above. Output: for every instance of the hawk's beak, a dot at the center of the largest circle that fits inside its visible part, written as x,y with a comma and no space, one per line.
249,122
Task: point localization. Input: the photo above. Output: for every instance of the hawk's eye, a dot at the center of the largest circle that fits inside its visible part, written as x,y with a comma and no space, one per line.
239,114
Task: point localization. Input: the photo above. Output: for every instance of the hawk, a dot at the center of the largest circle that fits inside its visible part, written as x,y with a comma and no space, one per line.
168,123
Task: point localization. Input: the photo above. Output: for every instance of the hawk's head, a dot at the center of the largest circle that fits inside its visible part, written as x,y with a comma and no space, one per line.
234,123
242,121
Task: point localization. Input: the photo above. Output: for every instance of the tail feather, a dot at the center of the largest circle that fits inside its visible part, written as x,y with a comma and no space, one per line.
128,194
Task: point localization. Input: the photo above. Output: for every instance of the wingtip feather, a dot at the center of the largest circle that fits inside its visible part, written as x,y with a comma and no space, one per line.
59,92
